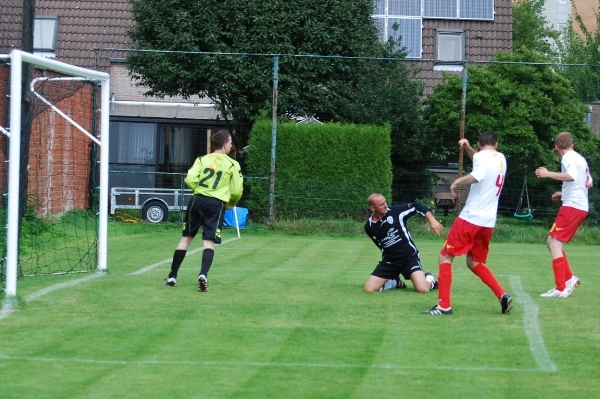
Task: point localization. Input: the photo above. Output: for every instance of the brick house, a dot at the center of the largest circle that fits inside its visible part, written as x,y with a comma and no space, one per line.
439,35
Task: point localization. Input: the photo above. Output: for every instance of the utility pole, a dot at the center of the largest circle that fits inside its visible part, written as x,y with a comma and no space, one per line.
26,101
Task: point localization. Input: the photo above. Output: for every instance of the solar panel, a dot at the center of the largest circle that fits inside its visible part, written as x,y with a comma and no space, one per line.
408,32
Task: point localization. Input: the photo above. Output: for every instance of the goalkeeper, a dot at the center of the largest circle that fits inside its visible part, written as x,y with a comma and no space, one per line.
388,229
217,183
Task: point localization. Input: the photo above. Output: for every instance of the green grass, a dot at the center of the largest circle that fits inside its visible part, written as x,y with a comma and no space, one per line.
285,317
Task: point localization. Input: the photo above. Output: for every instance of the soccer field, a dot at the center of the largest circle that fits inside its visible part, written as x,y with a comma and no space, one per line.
285,317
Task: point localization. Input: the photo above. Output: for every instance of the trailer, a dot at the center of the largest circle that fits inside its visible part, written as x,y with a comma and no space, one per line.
155,203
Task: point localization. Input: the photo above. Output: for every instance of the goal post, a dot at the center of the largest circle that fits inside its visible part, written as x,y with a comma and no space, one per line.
17,60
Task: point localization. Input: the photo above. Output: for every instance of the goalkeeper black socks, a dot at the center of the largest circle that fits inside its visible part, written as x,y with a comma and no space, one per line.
207,258
178,257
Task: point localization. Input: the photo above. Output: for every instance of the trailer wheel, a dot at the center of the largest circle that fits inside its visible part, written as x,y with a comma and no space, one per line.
155,212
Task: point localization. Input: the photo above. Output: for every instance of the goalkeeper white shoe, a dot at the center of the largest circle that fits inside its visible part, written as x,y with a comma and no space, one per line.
554,293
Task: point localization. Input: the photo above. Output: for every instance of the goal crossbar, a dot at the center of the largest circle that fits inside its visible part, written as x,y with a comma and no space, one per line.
17,58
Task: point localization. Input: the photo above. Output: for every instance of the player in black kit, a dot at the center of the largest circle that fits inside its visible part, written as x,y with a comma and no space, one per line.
388,230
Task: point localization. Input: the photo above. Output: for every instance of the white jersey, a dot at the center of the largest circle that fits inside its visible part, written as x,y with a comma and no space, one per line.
575,193
489,169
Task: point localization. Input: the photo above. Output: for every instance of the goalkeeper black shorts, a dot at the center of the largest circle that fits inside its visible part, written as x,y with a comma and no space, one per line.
205,212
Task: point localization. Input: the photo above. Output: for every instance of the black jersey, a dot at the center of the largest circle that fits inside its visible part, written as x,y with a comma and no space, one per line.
391,233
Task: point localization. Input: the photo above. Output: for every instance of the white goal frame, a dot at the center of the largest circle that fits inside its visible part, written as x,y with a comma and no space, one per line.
17,59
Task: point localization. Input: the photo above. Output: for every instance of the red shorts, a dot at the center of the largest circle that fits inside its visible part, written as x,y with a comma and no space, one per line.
467,238
566,223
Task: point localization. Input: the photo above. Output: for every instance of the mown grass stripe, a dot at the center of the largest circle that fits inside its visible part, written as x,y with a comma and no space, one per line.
532,326
169,260
265,364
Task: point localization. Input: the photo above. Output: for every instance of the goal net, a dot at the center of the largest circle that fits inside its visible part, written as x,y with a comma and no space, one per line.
53,174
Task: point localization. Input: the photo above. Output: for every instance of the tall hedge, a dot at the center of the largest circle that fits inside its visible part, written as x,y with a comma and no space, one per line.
321,170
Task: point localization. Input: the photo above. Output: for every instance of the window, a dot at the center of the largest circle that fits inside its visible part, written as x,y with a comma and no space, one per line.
408,32
45,33
449,45
153,154
561,27
132,143
400,20
562,1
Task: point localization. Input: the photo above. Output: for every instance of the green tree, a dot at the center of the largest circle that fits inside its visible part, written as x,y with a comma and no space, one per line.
528,105
242,85
359,81
531,30
582,48
387,92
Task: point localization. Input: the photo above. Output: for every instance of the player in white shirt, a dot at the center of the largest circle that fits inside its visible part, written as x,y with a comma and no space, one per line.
472,230
576,178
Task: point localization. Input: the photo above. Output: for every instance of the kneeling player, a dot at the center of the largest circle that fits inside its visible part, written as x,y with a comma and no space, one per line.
388,230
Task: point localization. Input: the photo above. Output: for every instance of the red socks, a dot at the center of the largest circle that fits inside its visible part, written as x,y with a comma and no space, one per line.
488,279
481,270
560,265
444,284
568,272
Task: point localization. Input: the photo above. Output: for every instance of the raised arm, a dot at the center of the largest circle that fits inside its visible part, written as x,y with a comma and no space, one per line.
464,144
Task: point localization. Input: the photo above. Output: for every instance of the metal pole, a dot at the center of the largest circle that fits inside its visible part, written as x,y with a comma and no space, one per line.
237,224
104,193
463,106
12,229
273,137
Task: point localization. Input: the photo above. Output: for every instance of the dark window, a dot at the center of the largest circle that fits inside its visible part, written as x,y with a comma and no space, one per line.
153,154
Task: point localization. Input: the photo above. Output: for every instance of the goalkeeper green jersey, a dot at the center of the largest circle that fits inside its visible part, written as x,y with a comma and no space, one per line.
216,175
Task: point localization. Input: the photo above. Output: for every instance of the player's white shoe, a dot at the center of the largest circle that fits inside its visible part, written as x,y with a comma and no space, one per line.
436,311
573,283
170,281
554,293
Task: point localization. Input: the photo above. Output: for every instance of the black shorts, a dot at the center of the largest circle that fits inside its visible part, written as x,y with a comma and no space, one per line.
205,212
386,269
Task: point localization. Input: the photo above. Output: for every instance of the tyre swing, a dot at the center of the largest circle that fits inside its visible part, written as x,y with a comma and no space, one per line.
525,213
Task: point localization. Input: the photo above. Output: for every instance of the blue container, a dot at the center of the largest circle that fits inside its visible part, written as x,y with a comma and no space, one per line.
229,219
